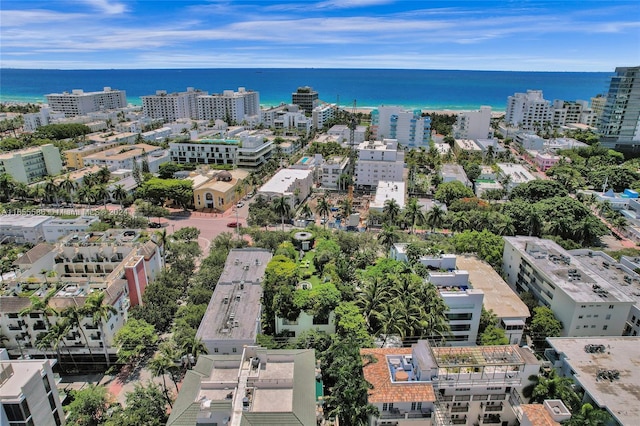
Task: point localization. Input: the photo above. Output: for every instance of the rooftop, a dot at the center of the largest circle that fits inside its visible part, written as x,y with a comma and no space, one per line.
22,220
620,396
538,415
518,173
234,308
567,271
388,190
498,296
122,152
25,151
385,389
282,181
14,375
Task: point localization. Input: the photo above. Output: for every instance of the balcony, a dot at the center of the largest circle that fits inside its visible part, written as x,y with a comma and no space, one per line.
493,408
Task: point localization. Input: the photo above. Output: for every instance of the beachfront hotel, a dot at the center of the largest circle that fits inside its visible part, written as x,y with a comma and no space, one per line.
79,102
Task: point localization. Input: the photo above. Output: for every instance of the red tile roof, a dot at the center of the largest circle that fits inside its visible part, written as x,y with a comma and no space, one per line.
538,415
384,390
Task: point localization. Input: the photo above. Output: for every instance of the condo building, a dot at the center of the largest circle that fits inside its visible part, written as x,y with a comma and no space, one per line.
322,114
528,111
584,301
79,102
255,386
124,157
74,158
409,127
306,98
619,124
31,164
28,393
428,385
292,184
378,161
233,317
473,124
172,106
229,106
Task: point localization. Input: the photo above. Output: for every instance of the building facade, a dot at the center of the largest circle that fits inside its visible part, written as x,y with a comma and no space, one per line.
79,102
172,106
306,98
619,124
31,164
125,157
379,161
293,184
410,128
205,151
528,111
229,106
473,124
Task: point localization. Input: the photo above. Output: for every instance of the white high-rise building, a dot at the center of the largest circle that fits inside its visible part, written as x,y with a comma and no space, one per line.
172,106
410,128
229,105
379,161
529,111
79,102
473,124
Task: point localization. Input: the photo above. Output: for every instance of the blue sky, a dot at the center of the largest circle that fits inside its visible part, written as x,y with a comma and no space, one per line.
558,35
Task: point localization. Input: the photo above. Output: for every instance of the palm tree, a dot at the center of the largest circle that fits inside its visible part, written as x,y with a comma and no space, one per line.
391,211
56,335
305,211
505,227
21,191
41,306
119,194
282,208
459,221
160,365
103,175
388,236
371,298
194,348
435,217
392,321
75,315
413,214
100,313
323,208
99,193
84,194
68,186
551,387
51,188
163,242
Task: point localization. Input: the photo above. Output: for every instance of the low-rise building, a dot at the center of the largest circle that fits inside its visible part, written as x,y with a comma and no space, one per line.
546,160
606,368
124,157
205,151
57,228
429,385
331,171
119,263
465,145
517,174
31,164
233,317
454,172
387,190
585,302
343,134
256,386
293,184
28,393
74,158
254,151
218,189
22,229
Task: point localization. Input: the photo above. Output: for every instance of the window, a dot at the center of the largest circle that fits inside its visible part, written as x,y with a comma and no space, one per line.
604,327
610,306
608,317
234,350
580,316
215,350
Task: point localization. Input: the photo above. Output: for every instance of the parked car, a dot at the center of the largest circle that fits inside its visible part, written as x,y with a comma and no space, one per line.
240,204
155,225
234,225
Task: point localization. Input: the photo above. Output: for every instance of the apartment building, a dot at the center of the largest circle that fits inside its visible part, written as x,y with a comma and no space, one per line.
619,124
331,170
23,229
409,127
473,124
572,112
74,158
28,393
254,151
172,106
79,102
430,385
31,164
232,319
124,157
205,151
256,386
293,184
528,111
454,172
586,303
293,121
34,120
321,115
378,161
606,368
119,263
57,228
229,106
306,98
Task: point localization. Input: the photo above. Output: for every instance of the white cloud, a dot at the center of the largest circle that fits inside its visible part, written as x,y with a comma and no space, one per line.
106,6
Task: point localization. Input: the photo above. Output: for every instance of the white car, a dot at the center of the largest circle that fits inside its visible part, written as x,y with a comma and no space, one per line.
240,205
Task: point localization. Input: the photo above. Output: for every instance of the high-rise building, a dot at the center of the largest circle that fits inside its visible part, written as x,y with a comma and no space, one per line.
229,105
409,127
473,124
529,111
619,124
172,106
79,102
306,98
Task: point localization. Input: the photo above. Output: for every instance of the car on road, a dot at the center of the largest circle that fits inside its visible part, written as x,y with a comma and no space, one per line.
234,225
240,205
155,225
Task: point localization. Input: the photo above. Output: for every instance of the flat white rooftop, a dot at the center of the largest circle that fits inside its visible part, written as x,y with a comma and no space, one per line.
22,220
282,181
388,190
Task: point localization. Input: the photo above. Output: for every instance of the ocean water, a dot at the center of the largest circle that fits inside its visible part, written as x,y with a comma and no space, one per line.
423,89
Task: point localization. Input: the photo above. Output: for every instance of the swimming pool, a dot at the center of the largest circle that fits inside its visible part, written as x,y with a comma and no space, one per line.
304,160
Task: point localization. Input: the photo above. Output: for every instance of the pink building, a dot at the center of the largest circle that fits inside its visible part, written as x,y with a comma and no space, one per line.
545,161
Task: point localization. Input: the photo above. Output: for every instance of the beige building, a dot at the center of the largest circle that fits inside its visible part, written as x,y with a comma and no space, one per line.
75,157
217,190
123,157
31,164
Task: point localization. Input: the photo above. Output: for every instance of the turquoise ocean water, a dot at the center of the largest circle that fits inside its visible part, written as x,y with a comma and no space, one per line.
424,89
